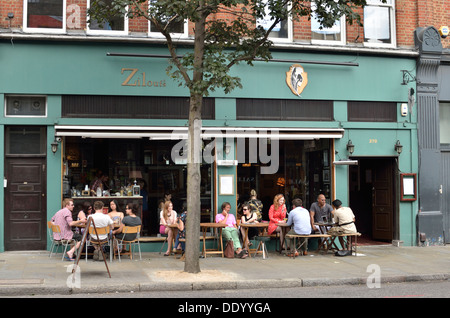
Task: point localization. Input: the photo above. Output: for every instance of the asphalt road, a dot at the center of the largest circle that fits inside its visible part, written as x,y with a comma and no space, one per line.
432,289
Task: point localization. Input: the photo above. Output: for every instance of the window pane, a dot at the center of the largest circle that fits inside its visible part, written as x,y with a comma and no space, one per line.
327,34
45,14
175,26
25,106
281,29
444,117
25,140
377,28
115,23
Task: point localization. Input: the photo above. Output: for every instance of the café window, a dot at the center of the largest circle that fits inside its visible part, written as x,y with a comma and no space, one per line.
113,25
282,31
323,35
121,162
44,16
304,171
177,26
379,23
26,106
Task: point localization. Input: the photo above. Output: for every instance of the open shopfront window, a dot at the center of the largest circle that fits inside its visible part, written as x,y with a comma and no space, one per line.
118,159
304,171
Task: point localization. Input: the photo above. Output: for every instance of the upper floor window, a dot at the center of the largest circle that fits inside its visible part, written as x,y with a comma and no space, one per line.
25,106
175,27
379,23
46,16
282,30
114,25
322,35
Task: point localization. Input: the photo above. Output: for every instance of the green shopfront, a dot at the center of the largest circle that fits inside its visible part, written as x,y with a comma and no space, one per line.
72,112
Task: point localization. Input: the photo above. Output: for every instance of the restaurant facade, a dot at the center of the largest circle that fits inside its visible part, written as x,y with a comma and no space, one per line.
119,115
337,120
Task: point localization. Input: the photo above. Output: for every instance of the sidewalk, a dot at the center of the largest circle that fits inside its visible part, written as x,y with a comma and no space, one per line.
27,273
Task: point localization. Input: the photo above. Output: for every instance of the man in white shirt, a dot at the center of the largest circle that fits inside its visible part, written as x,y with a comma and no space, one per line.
100,220
301,220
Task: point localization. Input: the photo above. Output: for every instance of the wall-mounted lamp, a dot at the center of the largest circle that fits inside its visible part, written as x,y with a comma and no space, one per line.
55,144
398,147
350,147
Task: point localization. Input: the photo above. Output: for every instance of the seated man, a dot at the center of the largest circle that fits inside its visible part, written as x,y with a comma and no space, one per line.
100,220
345,220
300,218
63,218
230,232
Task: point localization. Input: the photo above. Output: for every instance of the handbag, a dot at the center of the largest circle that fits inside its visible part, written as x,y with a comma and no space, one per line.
229,250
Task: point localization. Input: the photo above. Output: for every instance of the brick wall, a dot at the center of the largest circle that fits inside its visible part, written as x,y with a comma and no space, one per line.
409,15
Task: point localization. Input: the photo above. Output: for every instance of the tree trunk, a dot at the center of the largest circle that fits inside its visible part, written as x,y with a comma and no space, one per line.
192,263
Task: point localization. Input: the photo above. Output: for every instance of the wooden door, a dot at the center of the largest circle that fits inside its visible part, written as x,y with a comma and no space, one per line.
382,199
25,204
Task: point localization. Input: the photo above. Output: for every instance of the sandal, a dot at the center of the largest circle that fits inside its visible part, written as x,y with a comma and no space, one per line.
165,254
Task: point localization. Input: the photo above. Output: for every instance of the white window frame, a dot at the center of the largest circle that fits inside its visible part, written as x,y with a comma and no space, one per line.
342,41
290,36
391,5
158,34
43,30
107,32
8,97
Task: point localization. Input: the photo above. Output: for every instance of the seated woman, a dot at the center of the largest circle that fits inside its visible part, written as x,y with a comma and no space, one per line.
131,219
168,217
248,217
230,232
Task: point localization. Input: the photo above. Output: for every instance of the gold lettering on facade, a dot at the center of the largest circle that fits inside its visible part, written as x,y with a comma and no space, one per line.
135,79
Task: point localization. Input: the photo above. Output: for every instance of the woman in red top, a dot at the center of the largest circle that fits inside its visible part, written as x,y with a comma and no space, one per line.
277,213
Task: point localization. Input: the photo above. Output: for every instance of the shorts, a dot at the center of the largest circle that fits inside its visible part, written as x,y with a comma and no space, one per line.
162,229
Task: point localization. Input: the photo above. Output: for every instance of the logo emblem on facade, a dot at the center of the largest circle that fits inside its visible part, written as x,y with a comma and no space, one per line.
296,79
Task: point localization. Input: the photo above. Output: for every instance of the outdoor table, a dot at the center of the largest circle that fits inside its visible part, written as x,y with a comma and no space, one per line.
327,243
204,227
285,229
246,226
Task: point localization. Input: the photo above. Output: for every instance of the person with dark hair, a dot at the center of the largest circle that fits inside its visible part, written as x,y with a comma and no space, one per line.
300,219
230,232
343,217
181,224
131,219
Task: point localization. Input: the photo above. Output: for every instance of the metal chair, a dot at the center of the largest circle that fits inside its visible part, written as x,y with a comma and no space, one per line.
58,242
100,243
123,243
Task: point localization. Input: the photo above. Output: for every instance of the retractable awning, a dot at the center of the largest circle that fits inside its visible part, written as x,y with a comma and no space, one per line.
177,133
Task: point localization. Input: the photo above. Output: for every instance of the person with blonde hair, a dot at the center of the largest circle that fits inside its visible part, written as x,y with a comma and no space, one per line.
256,205
168,217
277,213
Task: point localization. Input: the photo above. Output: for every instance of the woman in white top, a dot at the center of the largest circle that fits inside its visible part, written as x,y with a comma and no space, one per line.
168,217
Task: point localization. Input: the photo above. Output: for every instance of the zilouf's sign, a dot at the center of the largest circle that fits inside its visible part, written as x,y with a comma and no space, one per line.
215,144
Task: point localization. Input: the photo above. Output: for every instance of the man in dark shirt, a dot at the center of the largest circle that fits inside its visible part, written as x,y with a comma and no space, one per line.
320,210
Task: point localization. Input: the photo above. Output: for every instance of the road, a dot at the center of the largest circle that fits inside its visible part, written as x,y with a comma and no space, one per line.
431,289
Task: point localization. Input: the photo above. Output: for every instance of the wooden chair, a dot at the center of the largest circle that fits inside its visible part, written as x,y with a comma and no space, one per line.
101,243
123,243
58,242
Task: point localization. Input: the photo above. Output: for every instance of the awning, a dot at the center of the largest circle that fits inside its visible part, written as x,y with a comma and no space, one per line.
177,133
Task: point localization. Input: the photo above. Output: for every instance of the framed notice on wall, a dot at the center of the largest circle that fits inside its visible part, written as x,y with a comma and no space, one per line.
408,187
226,184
